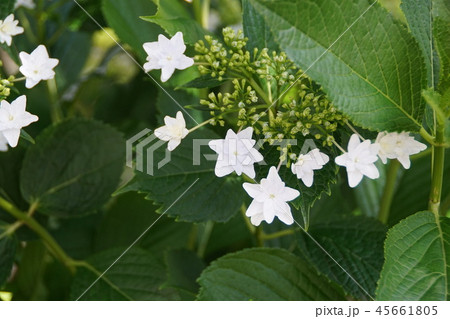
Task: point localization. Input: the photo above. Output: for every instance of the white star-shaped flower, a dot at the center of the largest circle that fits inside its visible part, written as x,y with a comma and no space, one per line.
174,130
236,153
13,117
270,199
167,55
29,4
359,160
398,146
37,66
3,143
9,28
307,163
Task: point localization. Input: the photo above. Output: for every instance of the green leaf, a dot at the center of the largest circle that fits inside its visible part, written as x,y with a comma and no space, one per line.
441,33
356,243
129,217
369,65
369,192
73,168
415,181
8,247
6,7
183,269
189,192
205,81
173,17
123,17
137,275
418,15
10,165
417,253
256,30
264,274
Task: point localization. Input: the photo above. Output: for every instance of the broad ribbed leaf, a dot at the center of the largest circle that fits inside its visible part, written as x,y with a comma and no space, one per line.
369,65
7,253
191,192
417,255
138,275
123,17
264,274
441,34
256,30
356,244
418,15
73,168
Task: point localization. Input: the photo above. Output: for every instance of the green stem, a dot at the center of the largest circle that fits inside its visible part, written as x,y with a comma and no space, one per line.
282,233
205,239
251,228
438,170
56,112
259,90
388,192
201,11
51,244
427,137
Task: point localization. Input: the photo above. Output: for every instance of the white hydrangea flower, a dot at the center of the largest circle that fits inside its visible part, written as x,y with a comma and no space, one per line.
174,130
3,143
13,117
359,160
270,199
167,55
9,28
29,4
398,146
236,153
37,66
306,164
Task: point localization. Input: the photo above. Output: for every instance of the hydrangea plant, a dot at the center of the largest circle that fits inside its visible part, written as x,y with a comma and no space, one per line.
176,150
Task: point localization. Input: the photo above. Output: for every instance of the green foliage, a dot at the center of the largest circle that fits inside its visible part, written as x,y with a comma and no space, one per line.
415,181
8,246
417,252
73,168
419,17
441,33
256,29
185,189
356,67
175,20
137,275
6,7
183,269
264,274
123,17
356,244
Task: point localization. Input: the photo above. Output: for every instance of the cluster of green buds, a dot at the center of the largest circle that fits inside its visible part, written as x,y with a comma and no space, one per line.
217,58
268,92
5,85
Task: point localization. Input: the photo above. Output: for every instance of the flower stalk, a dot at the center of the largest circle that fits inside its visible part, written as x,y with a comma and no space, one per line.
438,170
